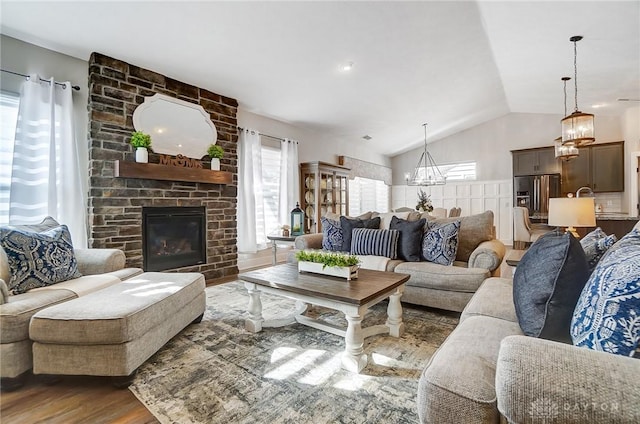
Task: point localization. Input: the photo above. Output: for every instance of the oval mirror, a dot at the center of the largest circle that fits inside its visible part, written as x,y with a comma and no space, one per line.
176,127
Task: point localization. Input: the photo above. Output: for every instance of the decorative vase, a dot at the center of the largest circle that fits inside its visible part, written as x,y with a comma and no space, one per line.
348,272
142,155
215,164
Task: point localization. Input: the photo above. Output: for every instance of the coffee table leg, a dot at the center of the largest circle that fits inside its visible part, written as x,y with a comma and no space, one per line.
255,320
394,315
354,359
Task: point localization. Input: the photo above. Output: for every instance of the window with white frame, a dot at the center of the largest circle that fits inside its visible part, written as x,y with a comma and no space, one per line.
367,195
9,103
268,222
463,171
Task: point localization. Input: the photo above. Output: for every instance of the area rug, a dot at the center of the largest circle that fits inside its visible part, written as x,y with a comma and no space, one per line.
216,372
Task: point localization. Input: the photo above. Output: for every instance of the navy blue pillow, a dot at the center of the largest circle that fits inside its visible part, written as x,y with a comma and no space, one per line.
410,241
377,242
348,224
547,284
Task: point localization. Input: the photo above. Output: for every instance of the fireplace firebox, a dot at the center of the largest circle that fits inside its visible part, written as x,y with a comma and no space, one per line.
173,237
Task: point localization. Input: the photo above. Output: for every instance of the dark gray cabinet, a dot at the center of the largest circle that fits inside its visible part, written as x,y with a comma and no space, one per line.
535,162
599,166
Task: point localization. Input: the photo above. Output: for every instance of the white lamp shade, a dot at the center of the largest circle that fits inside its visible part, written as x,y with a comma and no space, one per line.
572,212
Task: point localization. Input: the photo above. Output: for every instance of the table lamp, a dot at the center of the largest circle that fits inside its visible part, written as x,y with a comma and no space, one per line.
572,212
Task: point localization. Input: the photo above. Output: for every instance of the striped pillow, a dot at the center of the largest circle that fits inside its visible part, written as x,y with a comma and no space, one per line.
366,241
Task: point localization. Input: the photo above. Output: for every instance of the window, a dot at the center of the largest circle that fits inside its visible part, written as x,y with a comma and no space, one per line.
367,195
267,213
9,103
465,171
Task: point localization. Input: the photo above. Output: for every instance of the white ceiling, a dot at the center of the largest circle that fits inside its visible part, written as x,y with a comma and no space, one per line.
452,64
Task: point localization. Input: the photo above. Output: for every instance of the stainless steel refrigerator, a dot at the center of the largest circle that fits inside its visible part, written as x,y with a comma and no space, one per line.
534,191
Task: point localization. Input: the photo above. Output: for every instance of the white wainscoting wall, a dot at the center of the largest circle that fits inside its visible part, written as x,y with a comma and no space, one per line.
472,196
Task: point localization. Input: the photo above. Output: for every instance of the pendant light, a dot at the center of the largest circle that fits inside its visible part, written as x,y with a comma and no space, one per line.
426,172
568,150
577,128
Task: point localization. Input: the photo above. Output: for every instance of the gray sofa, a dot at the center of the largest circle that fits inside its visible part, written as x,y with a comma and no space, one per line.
446,287
487,371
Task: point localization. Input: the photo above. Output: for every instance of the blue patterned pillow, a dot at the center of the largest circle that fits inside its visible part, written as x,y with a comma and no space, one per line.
607,316
366,241
440,242
331,234
595,244
38,259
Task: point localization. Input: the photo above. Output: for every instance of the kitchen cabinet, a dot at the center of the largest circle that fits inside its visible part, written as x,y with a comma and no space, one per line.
324,188
599,166
535,162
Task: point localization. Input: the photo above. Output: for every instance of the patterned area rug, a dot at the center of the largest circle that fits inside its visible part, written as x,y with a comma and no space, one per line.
216,372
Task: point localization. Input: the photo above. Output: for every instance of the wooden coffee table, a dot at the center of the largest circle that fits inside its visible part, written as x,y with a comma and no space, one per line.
352,298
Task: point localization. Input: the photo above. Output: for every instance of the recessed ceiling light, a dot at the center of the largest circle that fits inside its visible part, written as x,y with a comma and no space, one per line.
347,67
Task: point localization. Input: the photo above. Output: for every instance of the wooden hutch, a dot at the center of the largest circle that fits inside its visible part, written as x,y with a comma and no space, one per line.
324,187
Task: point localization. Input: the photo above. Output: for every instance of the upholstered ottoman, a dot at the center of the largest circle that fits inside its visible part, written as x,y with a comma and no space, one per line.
111,332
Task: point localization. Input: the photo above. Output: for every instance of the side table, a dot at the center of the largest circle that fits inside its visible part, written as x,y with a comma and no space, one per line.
514,257
274,244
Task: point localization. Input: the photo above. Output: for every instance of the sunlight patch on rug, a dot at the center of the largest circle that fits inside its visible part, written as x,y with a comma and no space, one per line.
217,372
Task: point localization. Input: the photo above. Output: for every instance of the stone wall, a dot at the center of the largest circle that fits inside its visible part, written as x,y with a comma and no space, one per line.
116,88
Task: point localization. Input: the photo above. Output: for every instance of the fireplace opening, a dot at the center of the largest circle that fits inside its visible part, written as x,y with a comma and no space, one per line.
173,237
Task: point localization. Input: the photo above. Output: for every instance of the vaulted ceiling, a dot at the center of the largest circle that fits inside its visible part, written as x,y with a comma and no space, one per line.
451,64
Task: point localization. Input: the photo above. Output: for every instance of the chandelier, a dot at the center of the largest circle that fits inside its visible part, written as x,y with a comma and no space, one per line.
568,150
577,128
426,172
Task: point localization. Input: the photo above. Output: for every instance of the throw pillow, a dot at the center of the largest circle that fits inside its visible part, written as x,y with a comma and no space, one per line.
366,241
331,234
38,259
440,242
547,284
474,229
385,218
348,225
607,317
410,239
595,244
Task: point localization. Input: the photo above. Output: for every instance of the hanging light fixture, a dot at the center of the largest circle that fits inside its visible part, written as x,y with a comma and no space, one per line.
577,128
568,150
426,172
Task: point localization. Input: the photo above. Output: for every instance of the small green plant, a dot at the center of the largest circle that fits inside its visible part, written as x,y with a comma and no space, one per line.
327,259
140,139
215,152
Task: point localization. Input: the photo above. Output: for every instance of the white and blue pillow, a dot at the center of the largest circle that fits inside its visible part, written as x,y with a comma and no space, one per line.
38,259
367,241
595,244
440,242
332,237
607,316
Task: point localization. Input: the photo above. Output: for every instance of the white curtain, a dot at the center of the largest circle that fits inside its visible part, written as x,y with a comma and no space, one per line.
289,179
249,189
45,176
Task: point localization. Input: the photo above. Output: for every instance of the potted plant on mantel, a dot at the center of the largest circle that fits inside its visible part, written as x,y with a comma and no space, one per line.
141,142
328,263
216,153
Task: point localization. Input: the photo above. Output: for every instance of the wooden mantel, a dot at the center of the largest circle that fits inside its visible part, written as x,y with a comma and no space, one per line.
154,171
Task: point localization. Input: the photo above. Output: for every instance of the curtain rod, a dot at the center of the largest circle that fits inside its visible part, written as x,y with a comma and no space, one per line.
63,84
267,135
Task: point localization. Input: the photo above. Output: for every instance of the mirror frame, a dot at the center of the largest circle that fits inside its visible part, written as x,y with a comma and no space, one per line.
161,148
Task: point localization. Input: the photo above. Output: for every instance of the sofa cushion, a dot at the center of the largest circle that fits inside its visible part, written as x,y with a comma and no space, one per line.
441,277
410,240
38,259
386,218
494,299
474,229
440,242
377,242
595,244
459,380
547,284
607,316
4,292
348,225
331,234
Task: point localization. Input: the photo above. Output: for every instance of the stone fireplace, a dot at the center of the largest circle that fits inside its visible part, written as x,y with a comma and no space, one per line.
117,204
